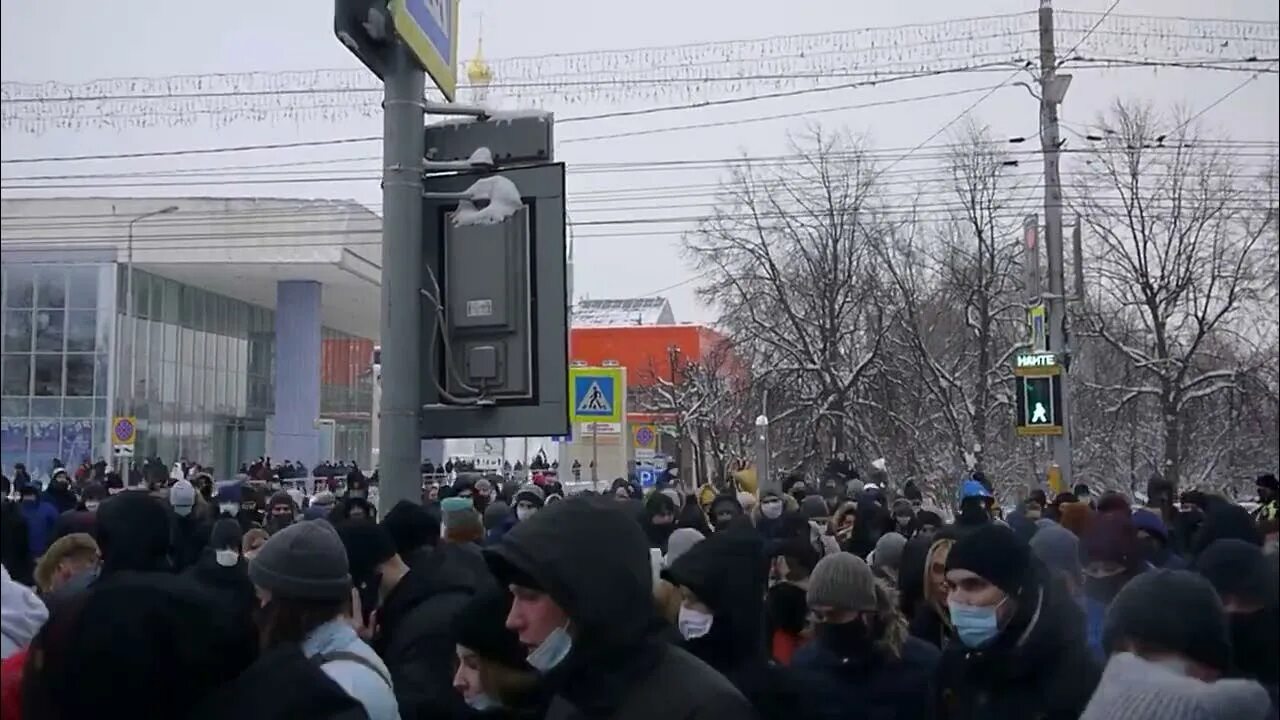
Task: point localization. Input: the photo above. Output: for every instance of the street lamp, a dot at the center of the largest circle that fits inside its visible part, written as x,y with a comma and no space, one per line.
128,301
764,478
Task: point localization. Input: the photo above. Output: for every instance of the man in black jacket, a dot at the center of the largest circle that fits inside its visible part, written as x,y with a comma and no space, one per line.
412,630
583,603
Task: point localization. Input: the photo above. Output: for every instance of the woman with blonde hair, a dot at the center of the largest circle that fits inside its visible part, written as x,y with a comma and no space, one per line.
493,676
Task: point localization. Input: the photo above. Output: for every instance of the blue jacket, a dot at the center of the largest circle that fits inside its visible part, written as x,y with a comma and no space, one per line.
41,516
371,687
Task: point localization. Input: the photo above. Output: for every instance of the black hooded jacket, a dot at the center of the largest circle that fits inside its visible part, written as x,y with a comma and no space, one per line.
1038,667
282,685
728,573
415,637
593,560
134,534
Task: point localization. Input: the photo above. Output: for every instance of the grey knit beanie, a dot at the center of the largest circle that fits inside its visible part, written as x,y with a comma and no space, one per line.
681,540
1058,548
1134,689
888,552
306,561
813,507
842,580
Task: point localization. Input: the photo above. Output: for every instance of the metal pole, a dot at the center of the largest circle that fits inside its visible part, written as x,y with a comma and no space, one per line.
403,366
131,391
764,476
595,456
1056,306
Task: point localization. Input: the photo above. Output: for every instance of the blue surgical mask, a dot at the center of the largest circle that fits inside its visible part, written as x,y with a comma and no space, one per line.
552,651
483,702
975,626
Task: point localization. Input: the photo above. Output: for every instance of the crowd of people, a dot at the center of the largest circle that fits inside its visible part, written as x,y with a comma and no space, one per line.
828,598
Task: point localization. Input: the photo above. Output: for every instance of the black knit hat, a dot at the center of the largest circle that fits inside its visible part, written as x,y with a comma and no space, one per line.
411,527
368,546
481,627
225,535
1170,610
996,554
1237,568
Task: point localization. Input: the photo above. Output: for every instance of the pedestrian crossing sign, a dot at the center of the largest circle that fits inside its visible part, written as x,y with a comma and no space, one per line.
595,394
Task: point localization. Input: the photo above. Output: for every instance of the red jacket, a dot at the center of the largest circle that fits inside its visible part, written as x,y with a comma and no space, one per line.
11,684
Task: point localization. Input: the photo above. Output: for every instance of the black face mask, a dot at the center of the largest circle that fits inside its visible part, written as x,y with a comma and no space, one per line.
848,640
1104,589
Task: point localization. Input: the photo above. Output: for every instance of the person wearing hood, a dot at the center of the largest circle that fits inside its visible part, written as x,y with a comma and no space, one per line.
911,576
1224,520
493,675
1153,536
722,582
281,512
786,612
659,520
580,575
1169,645
1112,557
1246,583
416,610
862,655
224,572
40,516
135,534
1059,550
769,513
932,619
59,493
904,517
1019,650
22,614
724,509
814,510
143,644
302,579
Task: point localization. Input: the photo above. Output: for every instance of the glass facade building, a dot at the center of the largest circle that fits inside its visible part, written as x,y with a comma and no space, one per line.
195,368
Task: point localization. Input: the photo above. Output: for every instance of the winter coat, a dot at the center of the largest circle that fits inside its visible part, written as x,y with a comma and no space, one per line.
368,681
41,516
61,498
414,634
728,574
880,687
230,586
190,536
21,614
1038,667
592,558
282,685
134,534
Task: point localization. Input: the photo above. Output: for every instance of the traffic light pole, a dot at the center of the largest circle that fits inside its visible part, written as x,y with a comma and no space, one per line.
402,362
1051,90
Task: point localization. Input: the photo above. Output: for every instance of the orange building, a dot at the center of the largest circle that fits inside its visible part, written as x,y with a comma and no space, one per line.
648,352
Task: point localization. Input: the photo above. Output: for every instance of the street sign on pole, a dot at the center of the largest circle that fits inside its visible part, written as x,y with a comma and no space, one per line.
430,29
124,434
596,395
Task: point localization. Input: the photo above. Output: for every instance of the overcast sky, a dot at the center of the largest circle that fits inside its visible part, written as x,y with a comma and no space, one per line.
75,41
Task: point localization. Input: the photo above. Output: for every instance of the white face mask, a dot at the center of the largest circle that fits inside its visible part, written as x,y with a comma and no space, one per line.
226,558
228,508
693,623
182,510
771,509
91,505
524,513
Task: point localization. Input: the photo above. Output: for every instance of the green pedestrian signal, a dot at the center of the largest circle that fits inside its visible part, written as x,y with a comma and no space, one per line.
1038,395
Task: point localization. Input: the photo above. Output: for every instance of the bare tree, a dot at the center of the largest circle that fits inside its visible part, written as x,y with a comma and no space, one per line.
1178,265
790,259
